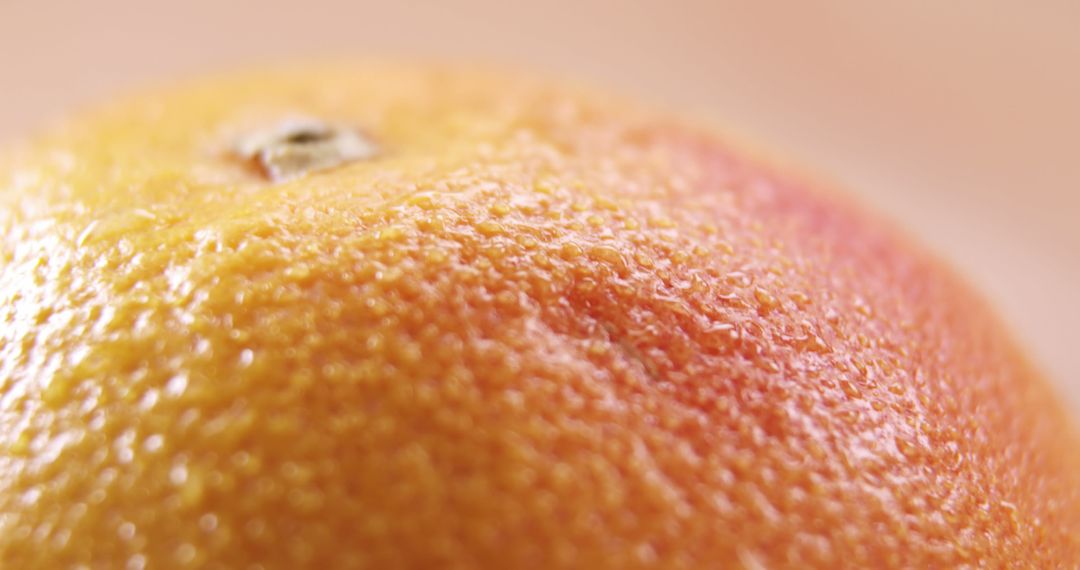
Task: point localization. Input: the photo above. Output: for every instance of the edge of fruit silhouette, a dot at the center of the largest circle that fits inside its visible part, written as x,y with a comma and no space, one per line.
399,316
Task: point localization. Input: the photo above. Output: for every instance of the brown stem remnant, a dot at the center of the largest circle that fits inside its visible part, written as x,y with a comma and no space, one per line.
295,147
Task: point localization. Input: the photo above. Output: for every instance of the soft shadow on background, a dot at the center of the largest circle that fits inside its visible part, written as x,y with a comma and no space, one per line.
960,119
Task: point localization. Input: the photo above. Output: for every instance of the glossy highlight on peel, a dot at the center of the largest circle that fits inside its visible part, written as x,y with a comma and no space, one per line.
527,326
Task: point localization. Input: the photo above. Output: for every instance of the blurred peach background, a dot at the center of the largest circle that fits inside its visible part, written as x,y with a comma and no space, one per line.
961,119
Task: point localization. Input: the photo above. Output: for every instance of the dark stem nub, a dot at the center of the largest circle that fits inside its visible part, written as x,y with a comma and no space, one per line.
305,137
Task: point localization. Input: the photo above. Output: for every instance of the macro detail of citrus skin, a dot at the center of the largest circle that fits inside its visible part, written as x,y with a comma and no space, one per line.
536,328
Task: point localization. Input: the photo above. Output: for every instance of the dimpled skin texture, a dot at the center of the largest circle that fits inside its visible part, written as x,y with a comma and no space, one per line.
541,329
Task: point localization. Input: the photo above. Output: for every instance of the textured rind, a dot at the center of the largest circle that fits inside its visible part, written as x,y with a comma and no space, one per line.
543,328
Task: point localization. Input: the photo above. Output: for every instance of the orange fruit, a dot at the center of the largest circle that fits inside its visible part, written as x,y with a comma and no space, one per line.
381,316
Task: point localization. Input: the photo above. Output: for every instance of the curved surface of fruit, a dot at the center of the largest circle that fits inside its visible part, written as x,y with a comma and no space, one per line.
538,328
